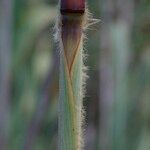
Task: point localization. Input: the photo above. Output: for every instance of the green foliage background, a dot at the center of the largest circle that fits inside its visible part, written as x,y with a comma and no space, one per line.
32,62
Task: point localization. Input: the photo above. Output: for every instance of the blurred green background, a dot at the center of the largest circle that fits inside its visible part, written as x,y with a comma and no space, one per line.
117,100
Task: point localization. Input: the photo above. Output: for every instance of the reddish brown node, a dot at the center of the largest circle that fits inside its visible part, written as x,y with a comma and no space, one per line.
72,6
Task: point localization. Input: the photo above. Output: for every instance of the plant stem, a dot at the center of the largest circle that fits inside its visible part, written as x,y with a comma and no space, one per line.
70,35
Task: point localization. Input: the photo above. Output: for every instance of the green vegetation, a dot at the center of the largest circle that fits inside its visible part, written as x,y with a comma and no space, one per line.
117,99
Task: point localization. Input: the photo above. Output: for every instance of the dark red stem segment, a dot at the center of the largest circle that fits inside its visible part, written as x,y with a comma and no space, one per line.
72,6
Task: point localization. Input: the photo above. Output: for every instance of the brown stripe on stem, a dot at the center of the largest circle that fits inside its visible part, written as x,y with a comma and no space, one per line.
71,36
72,6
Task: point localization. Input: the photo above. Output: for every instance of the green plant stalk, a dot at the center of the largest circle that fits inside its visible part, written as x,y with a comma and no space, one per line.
70,36
70,101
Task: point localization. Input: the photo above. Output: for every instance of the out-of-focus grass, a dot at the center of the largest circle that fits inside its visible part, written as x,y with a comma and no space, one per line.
31,62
